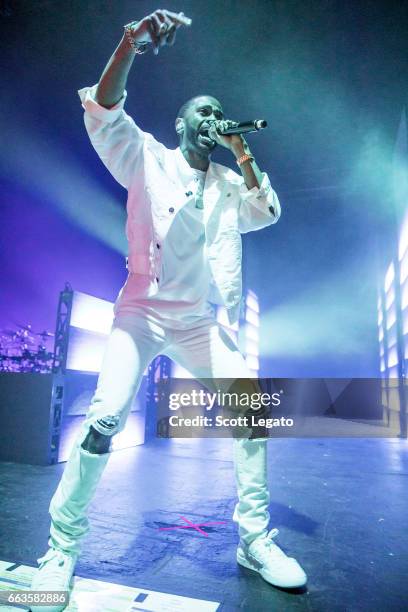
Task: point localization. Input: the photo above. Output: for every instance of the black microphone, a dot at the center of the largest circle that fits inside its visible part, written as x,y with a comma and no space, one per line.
244,127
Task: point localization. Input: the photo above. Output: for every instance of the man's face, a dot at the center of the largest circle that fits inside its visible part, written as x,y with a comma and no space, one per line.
196,123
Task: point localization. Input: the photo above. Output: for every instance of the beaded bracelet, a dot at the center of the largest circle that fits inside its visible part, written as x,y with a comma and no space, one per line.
244,158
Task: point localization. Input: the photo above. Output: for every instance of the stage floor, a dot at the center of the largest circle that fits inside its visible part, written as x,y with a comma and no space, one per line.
340,505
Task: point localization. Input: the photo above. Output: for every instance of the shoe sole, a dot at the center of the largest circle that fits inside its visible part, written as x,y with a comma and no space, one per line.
70,589
283,585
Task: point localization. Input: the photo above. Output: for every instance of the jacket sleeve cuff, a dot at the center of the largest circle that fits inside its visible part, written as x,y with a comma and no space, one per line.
107,115
263,197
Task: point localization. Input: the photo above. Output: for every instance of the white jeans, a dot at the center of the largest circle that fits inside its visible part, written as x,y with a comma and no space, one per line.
204,349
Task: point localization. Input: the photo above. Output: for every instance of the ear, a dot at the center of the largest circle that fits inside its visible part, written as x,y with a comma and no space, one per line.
179,125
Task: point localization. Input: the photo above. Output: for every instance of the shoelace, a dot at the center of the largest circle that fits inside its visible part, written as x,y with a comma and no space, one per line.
51,554
266,546
278,552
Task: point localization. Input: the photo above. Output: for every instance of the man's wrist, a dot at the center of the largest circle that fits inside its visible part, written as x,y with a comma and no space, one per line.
240,148
124,48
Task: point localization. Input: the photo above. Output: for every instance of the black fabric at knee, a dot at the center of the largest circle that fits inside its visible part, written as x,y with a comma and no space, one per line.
96,443
258,417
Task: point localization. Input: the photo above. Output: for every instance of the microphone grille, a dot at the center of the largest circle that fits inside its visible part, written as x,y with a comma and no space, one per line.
260,123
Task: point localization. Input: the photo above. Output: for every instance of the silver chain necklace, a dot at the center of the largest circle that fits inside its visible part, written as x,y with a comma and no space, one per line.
199,194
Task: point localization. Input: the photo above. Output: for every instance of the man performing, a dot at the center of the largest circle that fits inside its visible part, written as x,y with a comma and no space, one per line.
185,216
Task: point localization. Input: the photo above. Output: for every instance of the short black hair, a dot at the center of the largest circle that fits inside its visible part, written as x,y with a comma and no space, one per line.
184,108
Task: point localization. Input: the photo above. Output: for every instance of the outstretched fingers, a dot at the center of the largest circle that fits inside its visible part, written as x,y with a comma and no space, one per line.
163,26
179,18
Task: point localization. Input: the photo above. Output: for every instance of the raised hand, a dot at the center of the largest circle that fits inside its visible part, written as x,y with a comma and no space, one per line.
158,28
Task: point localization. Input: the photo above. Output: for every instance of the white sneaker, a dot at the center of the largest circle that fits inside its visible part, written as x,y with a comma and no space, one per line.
266,558
54,574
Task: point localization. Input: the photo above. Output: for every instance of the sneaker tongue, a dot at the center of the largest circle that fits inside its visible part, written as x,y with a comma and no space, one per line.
272,534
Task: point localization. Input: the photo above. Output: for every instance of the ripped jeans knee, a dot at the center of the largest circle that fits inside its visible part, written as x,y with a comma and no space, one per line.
99,437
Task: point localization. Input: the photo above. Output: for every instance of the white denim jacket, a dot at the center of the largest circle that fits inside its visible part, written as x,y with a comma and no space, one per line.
160,182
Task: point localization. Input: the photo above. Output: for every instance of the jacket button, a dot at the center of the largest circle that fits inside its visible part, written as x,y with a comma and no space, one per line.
171,209
189,193
228,195
157,279
158,245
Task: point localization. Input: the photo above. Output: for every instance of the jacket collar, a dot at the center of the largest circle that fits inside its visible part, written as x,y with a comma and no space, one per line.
187,172
211,191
